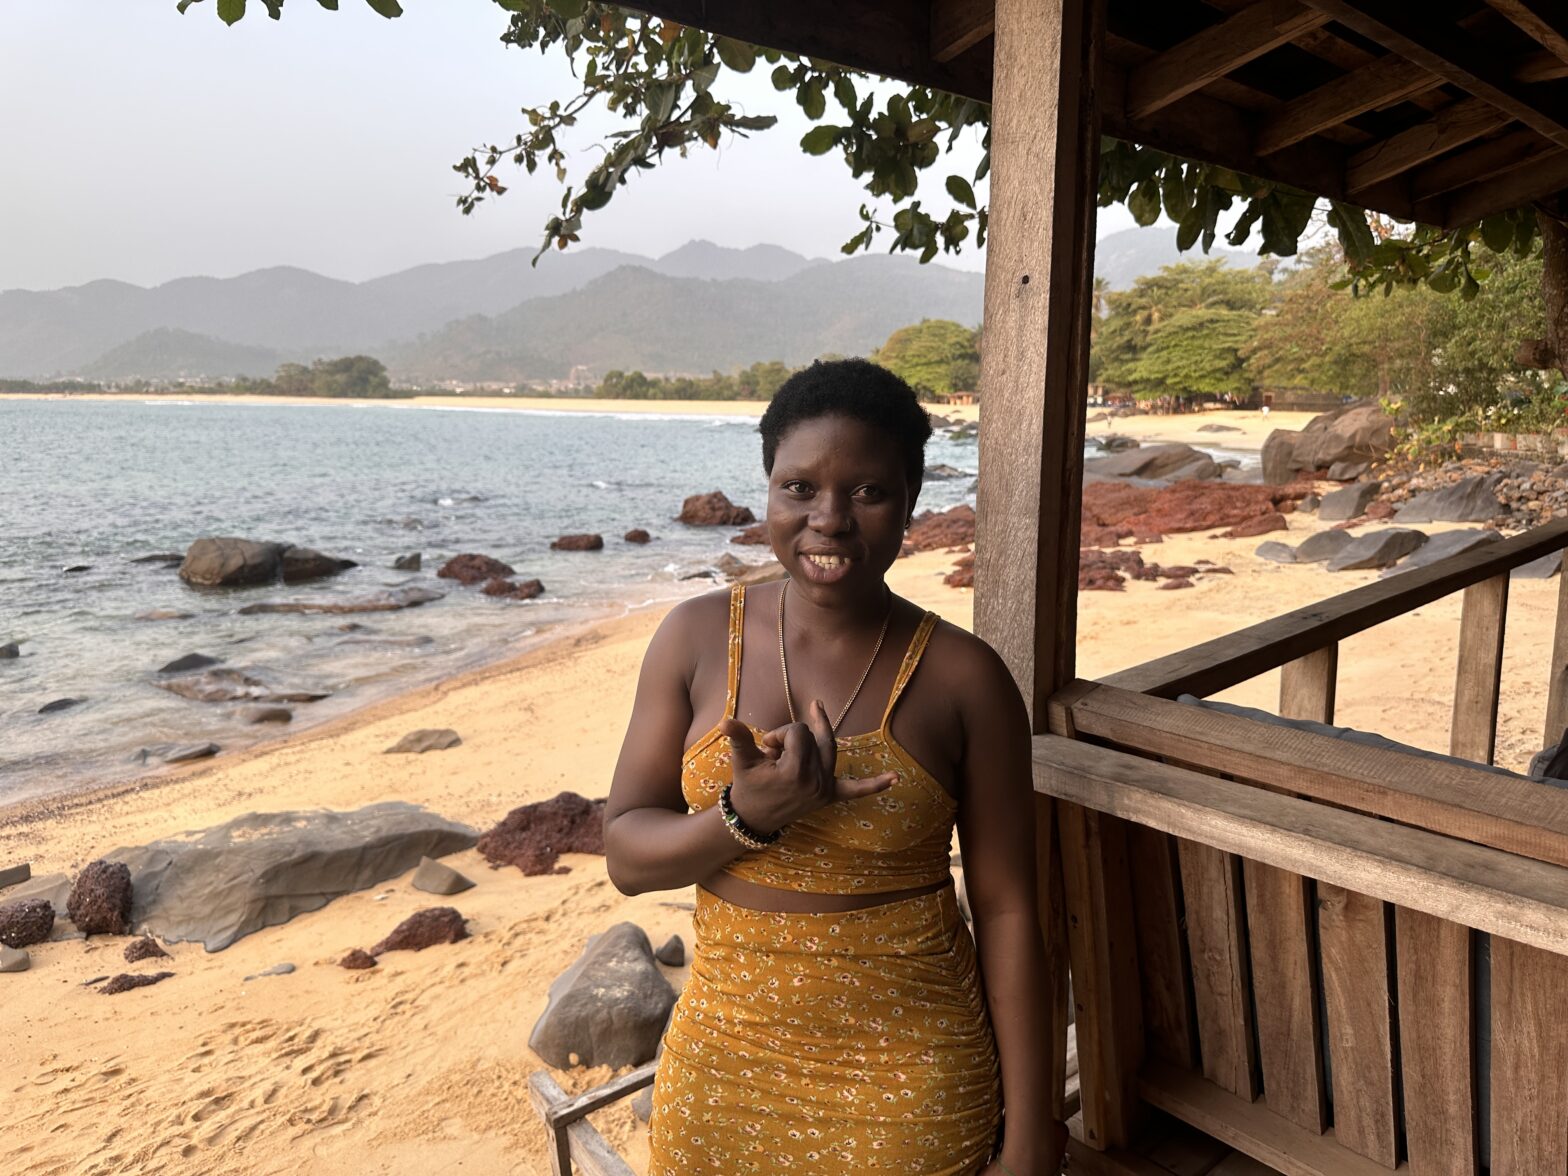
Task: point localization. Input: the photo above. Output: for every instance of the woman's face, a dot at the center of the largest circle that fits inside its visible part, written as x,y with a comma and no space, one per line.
838,501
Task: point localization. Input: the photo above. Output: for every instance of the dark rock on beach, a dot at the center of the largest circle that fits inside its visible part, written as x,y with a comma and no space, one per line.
578,543
60,704
424,929
1377,549
1354,433
1472,500
76,569
100,901
228,562
222,684
145,948
261,869
390,601
636,535
534,836
126,981
184,753
1176,462
1351,502
1442,546
10,650
435,877
408,563
266,714
471,568
932,531
425,739
275,970
1276,552
609,1008
673,953
357,960
162,557
1257,525
26,921
1323,546
1539,569
191,661
162,614
514,589
299,564
13,875
14,959
714,509
755,535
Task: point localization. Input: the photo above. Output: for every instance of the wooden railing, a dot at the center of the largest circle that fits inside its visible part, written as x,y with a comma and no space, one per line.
1274,934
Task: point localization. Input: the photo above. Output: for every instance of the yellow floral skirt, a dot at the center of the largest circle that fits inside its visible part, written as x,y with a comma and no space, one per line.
828,1044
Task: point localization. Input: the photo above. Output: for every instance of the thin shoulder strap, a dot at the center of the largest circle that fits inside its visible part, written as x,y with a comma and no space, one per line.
737,625
906,670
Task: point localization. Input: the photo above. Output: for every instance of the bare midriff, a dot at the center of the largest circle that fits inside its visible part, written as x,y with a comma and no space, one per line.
755,897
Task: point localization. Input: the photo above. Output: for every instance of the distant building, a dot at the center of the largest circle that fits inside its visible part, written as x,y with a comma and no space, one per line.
955,398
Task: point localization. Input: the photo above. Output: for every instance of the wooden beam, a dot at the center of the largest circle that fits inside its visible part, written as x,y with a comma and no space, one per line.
1529,1061
1480,163
1489,808
1550,28
1373,86
1045,150
957,25
1410,30
1472,733
1251,1127
1226,661
1557,670
1215,51
1513,189
1307,685
576,1145
1437,1043
1487,889
1454,126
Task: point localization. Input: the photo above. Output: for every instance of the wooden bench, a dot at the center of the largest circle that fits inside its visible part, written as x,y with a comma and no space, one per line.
1282,938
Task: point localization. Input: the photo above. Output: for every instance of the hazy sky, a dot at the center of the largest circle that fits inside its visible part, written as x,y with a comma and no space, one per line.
144,145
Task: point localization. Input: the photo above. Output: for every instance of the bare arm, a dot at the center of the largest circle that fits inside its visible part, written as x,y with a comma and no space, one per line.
651,842
996,831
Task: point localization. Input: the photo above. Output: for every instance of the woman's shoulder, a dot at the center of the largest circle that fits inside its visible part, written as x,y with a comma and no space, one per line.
697,616
967,659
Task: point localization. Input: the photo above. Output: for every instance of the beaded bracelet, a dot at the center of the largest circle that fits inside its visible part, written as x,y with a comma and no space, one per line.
738,828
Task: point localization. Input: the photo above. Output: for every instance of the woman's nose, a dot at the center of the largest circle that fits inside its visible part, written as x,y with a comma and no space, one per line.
830,514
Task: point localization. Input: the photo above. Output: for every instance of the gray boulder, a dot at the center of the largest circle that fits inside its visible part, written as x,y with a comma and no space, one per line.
1276,552
1354,433
191,661
435,877
1539,569
1378,549
232,685
1469,501
1348,502
1218,429
13,875
299,564
1323,546
673,953
1279,452
609,1008
55,889
642,1104
1348,471
10,650
14,959
408,563
1116,443
1174,462
228,562
184,753
266,714
275,970
426,739
1443,545
220,884
60,704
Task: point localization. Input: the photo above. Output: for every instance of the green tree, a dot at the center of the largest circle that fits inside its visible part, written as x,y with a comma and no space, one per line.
666,82
934,356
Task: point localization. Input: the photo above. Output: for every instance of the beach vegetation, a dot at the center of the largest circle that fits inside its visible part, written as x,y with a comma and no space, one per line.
934,357
759,381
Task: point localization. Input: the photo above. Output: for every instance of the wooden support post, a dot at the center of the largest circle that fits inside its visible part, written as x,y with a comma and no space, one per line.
1045,146
1557,687
1473,730
1306,685
1529,1060
1106,999
1221,976
1163,964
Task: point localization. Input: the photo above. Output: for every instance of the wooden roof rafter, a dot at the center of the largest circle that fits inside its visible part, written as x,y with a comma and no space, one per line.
1537,19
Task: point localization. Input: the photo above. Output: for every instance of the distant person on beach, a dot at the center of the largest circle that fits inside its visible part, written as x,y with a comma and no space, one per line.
835,1020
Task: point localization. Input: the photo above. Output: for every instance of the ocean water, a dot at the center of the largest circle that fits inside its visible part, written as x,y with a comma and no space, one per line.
100,483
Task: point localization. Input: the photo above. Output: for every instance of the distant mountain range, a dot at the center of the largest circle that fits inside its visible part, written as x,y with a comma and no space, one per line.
700,308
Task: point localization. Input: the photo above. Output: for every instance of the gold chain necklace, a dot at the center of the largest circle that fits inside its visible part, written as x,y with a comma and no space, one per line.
789,698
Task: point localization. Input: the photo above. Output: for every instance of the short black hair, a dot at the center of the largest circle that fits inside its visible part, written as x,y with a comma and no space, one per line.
854,388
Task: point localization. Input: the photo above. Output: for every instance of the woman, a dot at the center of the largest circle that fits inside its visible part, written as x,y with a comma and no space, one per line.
834,1020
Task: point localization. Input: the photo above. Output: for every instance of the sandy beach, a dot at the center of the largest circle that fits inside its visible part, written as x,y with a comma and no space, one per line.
421,1064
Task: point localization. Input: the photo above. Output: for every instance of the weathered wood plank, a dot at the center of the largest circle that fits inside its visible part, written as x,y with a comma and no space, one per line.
1464,122
1226,661
1510,190
1453,55
576,1145
1529,1061
1537,18
1437,1043
1106,1002
1211,889
1372,86
545,1093
1353,940
600,1097
1279,924
1045,145
1483,888
1251,1127
1053,929
1501,811
1480,163
1557,683
1478,685
1307,685
1162,949
1215,51
959,25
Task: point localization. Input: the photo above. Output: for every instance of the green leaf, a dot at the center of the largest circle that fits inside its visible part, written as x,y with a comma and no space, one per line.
1174,194
231,11
391,8
184,4
1187,231
565,9
783,77
738,55
1355,236
274,8
958,188
703,77
812,100
819,140
1497,232
1144,203
329,5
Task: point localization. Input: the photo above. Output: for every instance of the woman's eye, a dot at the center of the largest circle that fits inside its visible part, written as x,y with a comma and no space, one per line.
874,493
797,487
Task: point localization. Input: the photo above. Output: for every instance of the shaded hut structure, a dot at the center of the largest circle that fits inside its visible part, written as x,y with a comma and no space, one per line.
1287,953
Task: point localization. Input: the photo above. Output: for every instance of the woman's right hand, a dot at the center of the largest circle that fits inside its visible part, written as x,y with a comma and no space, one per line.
792,774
